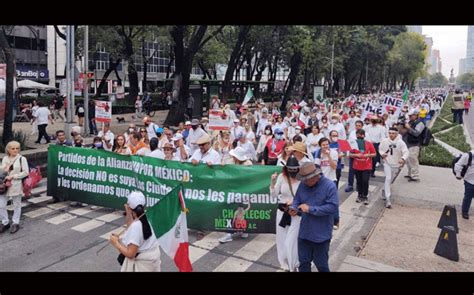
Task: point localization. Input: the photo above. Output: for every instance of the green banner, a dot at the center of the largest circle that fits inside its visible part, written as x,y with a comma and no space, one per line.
214,195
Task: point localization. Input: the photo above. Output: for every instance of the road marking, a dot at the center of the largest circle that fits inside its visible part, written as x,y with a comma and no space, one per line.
38,212
110,217
10,207
58,206
379,173
82,211
372,188
209,242
61,218
341,184
89,225
39,199
115,231
251,251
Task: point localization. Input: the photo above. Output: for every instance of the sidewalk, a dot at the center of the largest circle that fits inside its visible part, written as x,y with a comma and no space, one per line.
405,236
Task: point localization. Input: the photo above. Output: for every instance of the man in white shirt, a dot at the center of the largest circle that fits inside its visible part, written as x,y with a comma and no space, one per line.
107,137
205,153
375,133
236,131
150,127
468,181
194,134
182,151
327,158
394,152
41,119
336,125
155,151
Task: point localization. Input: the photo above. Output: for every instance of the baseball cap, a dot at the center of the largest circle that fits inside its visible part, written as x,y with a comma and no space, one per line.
135,199
195,122
187,123
177,137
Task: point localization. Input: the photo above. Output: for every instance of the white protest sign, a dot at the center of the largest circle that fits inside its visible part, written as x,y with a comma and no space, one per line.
103,111
218,120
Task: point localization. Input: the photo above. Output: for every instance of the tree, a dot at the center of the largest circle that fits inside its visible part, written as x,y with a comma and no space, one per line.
437,80
188,40
9,55
465,81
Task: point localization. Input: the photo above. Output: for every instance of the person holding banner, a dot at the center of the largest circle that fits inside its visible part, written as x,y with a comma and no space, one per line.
205,153
121,146
107,137
284,186
139,249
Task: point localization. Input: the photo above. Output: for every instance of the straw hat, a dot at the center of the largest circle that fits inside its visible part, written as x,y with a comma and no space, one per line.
307,171
298,147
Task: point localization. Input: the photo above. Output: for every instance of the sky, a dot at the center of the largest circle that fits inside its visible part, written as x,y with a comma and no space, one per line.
451,42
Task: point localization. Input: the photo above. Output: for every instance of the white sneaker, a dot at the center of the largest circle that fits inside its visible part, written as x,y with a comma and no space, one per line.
244,235
226,238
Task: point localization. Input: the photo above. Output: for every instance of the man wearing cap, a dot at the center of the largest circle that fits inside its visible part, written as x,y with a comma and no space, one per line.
205,153
182,150
187,128
412,136
274,147
317,198
138,247
195,133
150,127
237,131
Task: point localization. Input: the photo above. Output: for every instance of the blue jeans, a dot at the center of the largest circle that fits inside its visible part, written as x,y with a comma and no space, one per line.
468,195
350,181
317,252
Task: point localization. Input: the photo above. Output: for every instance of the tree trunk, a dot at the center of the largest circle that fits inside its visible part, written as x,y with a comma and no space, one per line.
295,64
132,71
103,81
233,60
9,93
168,68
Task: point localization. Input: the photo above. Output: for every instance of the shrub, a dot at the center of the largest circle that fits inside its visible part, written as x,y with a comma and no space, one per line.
455,138
17,136
435,155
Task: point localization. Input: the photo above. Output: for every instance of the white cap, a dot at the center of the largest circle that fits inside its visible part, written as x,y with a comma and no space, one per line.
298,127
413,112
187,123
177,137
239,153
236,121
135,199
264,110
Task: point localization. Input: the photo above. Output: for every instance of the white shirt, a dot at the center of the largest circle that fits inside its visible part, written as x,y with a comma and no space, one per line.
281,125
42,115
397,150
341,131
375,134
325,166
236,132
282,189
351,122
177,154
134,235
312,141
250,135
109,137
193,136
469,177
249,150
210,156
150,130
156,154
262,123
144,151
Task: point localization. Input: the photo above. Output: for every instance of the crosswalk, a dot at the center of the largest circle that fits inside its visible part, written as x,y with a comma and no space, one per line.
105,221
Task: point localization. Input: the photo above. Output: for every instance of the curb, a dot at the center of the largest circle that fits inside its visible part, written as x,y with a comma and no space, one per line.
453,151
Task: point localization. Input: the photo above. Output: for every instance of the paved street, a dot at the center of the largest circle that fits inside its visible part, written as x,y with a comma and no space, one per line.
58,237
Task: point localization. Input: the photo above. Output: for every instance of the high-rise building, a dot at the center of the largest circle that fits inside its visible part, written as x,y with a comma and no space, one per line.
428,59
416,29
435,62
462,66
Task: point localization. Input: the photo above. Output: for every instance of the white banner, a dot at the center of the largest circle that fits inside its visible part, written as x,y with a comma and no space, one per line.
374,107
218,120
103,111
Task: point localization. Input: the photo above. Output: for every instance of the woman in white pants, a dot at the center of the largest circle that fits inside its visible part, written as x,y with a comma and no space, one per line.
394,153
17,168
34,124
287,227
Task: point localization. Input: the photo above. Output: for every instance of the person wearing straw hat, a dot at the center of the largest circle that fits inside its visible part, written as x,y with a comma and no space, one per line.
317,199
299,150
284,187
205,153
139,249
240,157
169,151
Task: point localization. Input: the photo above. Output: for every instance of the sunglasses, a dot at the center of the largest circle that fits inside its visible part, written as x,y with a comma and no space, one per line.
202,144
142,131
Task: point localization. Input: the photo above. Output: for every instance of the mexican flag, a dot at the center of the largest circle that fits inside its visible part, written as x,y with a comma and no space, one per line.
248,96
405,94
168,219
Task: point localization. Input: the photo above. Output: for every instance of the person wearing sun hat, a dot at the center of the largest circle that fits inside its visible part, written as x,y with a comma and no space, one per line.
182,151
205,153
318,200
299,150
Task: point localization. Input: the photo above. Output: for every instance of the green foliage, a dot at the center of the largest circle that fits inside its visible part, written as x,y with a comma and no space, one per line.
440,125
437,80
17,136
435,155
466,80
455,138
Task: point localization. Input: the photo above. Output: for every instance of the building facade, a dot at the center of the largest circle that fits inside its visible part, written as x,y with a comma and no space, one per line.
416,29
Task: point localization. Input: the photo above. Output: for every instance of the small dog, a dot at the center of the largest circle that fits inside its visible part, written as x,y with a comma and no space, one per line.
121,119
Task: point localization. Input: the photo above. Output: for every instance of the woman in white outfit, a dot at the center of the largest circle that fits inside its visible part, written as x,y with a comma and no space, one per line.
34,123
16,167
287,227
139,249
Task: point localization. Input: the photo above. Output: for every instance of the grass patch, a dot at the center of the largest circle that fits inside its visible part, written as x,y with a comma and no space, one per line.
435,155
440,125
446,109
455,138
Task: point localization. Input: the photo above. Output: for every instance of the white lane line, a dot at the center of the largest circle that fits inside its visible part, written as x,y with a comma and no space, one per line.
39,199
341,184
115,231
82,211
61,218
209,242
110,217
58,206
38,212
372,188
251,251
10,207
88,225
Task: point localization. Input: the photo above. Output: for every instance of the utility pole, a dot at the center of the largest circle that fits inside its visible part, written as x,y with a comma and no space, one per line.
69,80
86,80
332,62
38,55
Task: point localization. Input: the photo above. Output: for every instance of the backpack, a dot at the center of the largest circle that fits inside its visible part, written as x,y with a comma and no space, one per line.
80,110
426,136
464,168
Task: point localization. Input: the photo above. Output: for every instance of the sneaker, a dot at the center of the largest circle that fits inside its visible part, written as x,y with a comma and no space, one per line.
388,205
4,227
336,226
414,180
407,176
244,235
465,215
372,175
366,201
226,238
349,188
15,228
359,199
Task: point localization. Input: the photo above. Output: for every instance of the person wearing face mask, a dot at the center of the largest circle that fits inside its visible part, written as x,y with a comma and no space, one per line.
394,153
273,148
97,143
375,134
195,133
268,133
298,132
78,140
323,126
334,145
318,200
283,187
312,140
353,143
291,131
362,165
204,123
336,125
